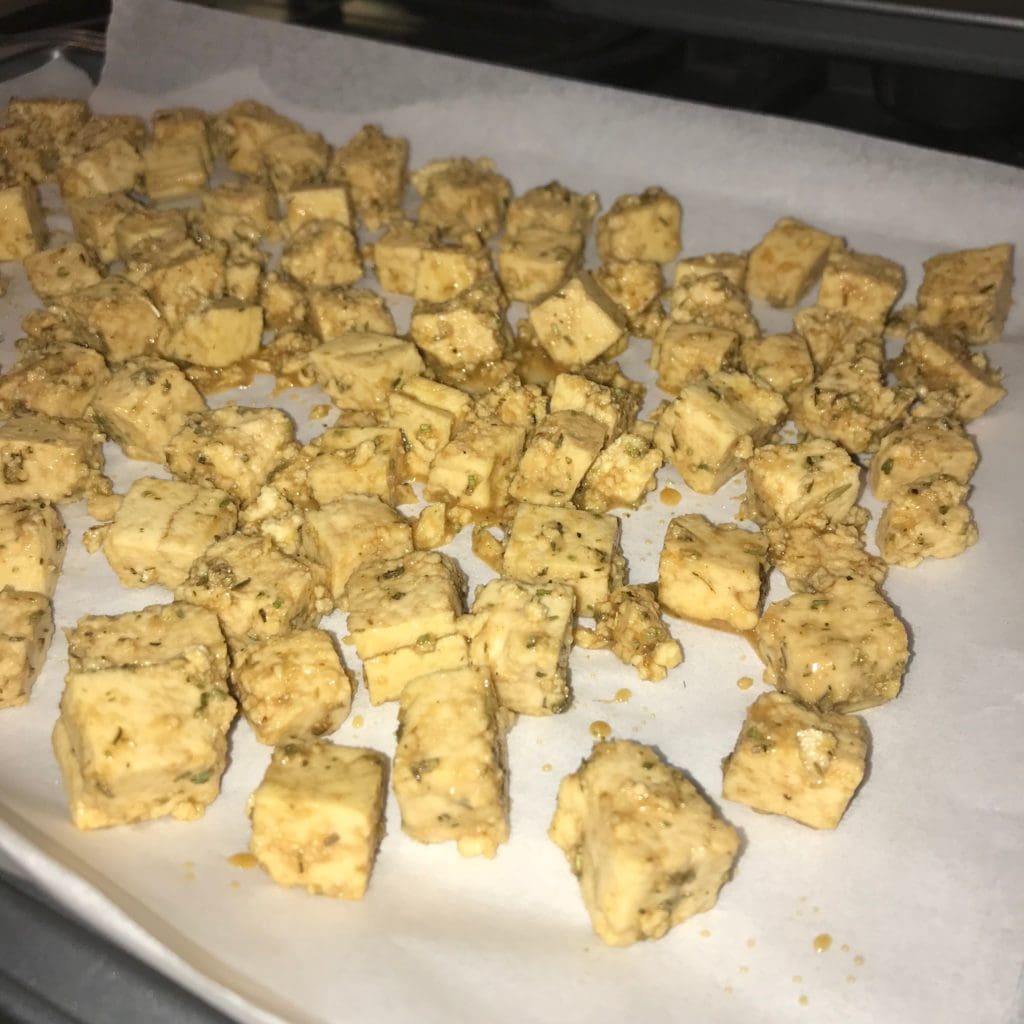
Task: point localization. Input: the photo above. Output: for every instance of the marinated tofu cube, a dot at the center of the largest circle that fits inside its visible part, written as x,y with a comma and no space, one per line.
446,269
33,540
373,167
55,380
222,333
563,545
397,253
144,404
537,260
358,460
392,602
968,292
113,165
255,590
731,265
95,220
792,760
22,224
557,457
323,254
54,120
521,635
811,483
427,413
295,159
845,650
172,169
292,687
926,519
614,405
640,873
319,202
712,300
462,195
162,527
240,133
337,311
813,559
686,352
359,369
641,227
922,449
577,323
318,817
512,402
450,771
183,124
42,457
26,628
284,302
712,573
467,330
184,286
864,285
100,128
788,260
145,236
781,362
635,286
143,741
119,314
386,674
710,431
238,210
54,272
621,476
553,206
235,448
25,158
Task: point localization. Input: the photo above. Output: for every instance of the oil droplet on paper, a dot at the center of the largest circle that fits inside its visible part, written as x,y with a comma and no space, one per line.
622,696
851,978
751,943
242,860
319,412
705,934
545,767
803,1000
859,961
234,883
744,969
797,979
670,496
744,682
845,948
600,730
822,943
357,722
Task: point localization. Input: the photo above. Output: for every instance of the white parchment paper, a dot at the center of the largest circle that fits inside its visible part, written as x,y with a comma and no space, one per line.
920,888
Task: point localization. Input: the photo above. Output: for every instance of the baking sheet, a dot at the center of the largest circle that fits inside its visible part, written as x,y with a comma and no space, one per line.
921,886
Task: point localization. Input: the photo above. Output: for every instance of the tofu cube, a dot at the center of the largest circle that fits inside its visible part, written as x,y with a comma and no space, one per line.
613,405
467,330
712,573
397,253
731,265
294,159
162,527
446,269
462,195
114,165
292,687
521,635
641,227
337,311
22,224
322,254
864,285
54,120
42,457
184,286
358,460
55,380
577,323
640,873
926,519
811,483
434,527
968,292
119,314
635,286
425,422
686,352
387,674
318,817
238,210
511,402
373,167
621,476
54,272
563,545
24,158
712,300
144,741
255,590
94,220
922,449
557,457
220,334
33,540
392,602
792,760
813,559
359,369
710,431
788,260
781,362
553,206
845,650
144,404
284,302
450,772
172,169
183,124
147,235
318,202
537,260
26,628
240,132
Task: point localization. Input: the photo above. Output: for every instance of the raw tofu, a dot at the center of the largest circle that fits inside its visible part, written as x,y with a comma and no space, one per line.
864,285
462,195
537,260
577,323
359,369
813,559
614,405
318,202
621,476
358,460
55,272
337,311
921,449
33,541
120,315
323,254
685,352
788,260
220,334
781,362
26,628
467,330
926,519
557,457
641,227
635,286
387,674
55,380
50,459
373,167
713,300
22,224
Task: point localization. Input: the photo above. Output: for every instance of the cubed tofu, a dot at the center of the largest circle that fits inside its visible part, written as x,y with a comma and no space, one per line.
337,311
397,253
284,302
686,352
921,449
119,314
621,476
373,166
635,286
235,448
358,460
323,254
712,300
54,272
731,265
238,210
240,132
386,674
446,269
648,849
162,527
24,157
553,206
26,628
54,120
434,527
294,159
864,285
641,227
42,457
144,741
292,687
173,168
222,333
55,380
243,276
557,457
845,650
147,235
788,260
811,483
712,573
813,559
512,402
834,336
534,261
183,124
926,519
101,128
392,602
319,202
113,165
710,431
33,540
521,634
450,772
792,760
563,545
359,369
318,817
427,413
144,404
255,590
781,362
184,286
467,330
95,220
614,405
22,224
462,195
577,323
968,292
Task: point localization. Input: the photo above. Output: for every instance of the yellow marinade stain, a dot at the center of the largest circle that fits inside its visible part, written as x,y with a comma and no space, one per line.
804,1000
600,730
744,682
797,979
622,696
319,412
242,860
545,767
670,496
859,961
822,943
705,934
357,722
751,943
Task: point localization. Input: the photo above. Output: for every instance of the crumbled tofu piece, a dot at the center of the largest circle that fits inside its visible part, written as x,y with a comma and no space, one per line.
811,483
792,760
919,450
649,851
240,133
397,253
220,334
392,602
323,254
864,285
686,352
53,120
512,402
446,269
284,302
926,519
641,227
614,405
712,573
359,369
621,476
337,311
434,527
710,431
387,674
119,314
563,545
318,817
144,404
836,336
467,330
100,128
294,159
841,651
535,261
450,774
557,457
373,166
184,285
577,323
318,202
144,741
22,224
731,265
55,380
426,412
712,300
162,527
237,210
788,260
113,165
173,168
54,272
48,458
26,628
635,286
95,220
813,559
33,540
521,635
292,687
462,195
968,292
781,362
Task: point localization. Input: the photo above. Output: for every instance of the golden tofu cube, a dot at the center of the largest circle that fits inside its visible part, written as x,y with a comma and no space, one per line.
94,220
240,133
172,169
641,227
119,314
446,269
712,300
557,457
145,236
921,449
788,260
183,124
731,265
294,159
51,459
621,476
926,519
238,210
462,195
397,253
373,167
386,674
54,272
535,261
358,460
114,165
781,362
283,301
359,369
577,323
552,206
635,286
53,119
467,330
26,628
319,202
686,352
323,254
22,224
337,311
55,380
33,540
184,286
864,285
218,335
614,405
425,429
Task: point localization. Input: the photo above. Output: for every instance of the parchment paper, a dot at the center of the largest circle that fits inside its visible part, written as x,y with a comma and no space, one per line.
921,886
